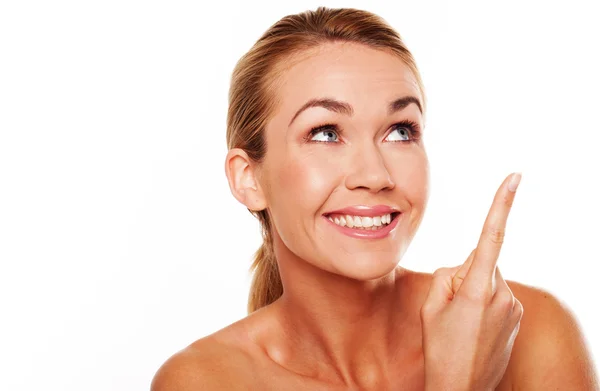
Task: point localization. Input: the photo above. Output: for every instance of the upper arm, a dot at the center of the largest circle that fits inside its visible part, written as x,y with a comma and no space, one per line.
550,351
181,372
199,367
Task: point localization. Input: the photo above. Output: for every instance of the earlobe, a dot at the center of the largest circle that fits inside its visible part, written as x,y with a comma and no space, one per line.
243,183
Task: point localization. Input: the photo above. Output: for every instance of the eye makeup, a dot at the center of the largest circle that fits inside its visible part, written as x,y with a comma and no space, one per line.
411,126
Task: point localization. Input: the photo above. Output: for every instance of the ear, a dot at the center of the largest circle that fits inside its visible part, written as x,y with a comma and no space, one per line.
241,174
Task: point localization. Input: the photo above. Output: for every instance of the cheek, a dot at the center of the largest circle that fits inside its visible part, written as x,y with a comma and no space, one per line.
306,181
411,174
298,190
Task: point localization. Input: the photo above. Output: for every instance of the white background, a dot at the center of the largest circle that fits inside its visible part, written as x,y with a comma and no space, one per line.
120,242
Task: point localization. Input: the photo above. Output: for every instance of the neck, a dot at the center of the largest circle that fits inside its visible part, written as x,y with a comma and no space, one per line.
346,330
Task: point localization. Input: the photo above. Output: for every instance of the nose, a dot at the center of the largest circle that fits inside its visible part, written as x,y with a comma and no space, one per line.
368,170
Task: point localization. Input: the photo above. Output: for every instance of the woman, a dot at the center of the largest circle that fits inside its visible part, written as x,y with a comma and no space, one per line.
324,133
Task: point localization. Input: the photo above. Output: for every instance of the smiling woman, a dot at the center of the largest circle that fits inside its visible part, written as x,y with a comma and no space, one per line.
325,124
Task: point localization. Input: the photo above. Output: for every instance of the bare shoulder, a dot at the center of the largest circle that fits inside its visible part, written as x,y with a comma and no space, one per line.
550,351
219,361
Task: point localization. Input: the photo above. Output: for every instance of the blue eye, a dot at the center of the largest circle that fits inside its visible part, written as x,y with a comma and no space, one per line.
403,131
328,135
408,130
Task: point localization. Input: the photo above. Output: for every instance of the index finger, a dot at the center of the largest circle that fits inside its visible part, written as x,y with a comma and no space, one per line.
492,236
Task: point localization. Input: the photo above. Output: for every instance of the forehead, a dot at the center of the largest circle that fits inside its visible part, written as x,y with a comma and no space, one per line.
352,72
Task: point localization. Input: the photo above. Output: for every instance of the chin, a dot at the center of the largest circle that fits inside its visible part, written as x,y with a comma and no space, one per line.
366,267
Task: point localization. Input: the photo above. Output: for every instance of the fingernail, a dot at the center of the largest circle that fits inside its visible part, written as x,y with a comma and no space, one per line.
514,181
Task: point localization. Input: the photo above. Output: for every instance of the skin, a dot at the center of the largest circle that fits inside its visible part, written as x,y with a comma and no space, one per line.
350,317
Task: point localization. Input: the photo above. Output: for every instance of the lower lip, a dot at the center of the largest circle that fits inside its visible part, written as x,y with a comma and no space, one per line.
367,233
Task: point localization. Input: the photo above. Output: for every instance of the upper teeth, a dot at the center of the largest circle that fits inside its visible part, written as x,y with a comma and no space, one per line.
360,221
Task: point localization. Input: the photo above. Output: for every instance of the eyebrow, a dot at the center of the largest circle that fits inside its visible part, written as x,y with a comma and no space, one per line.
345,108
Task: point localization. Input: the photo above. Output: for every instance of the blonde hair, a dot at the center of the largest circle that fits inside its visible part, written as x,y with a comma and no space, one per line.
252,100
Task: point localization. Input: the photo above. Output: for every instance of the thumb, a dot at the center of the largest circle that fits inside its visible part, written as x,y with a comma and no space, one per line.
440,290
459,277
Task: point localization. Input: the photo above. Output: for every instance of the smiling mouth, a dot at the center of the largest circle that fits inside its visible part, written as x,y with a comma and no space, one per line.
372,223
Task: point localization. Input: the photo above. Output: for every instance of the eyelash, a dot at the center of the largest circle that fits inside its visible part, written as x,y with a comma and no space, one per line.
412,126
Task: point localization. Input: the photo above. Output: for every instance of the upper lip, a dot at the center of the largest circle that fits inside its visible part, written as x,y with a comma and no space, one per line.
366,211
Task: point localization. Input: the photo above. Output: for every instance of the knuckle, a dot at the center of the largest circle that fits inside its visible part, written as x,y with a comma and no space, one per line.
479,296
443,271
505,300
508,200
495,234
426,312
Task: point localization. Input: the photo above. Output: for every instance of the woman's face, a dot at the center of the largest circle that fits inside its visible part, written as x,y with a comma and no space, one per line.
343,171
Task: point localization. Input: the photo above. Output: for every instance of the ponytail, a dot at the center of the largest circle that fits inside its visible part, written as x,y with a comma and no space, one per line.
266,284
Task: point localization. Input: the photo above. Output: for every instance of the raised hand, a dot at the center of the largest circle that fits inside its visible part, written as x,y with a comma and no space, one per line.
470,318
